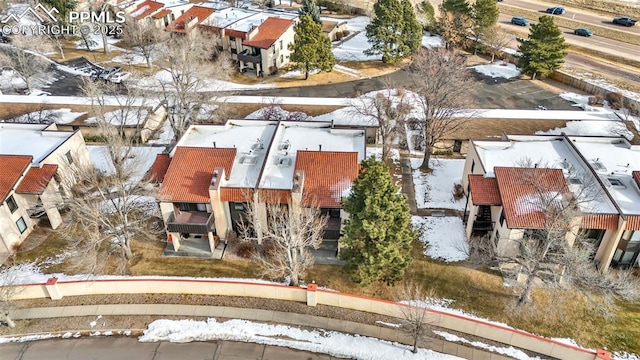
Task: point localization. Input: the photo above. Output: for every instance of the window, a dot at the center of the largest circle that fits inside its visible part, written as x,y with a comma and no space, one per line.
69,157
281,45
473,165
281,59
22,226
11,203
502,218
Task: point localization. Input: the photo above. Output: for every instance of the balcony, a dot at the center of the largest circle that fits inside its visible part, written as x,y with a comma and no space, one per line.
247,57
190,222
482,225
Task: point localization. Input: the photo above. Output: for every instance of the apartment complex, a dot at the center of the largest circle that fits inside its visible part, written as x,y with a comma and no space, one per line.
216,170
605,171
33,159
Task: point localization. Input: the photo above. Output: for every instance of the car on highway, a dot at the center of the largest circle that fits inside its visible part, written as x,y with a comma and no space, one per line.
583,32
518,20
624,20
106,73
556,10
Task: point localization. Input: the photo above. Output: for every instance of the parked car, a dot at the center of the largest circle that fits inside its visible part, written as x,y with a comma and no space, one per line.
624,20
583,32
120,77
106,73
518,20
556,10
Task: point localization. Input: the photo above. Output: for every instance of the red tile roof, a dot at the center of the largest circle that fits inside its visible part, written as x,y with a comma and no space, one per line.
190,172
159,168
160,14
236,194
484,190
195,12
145,8
327,174
275,196
636,177
36,179
600,221
11,168
269,32
522,190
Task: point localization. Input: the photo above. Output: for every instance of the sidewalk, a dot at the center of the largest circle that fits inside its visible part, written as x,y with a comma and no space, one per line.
379,332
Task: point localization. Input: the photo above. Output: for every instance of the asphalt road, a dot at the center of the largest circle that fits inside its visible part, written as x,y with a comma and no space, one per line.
594,42
576,14
121,348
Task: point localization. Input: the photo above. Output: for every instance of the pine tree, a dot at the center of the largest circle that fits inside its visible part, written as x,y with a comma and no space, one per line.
426,14
412,29
311,48
485,16
392,31
309,7
544,51
378,234
456,6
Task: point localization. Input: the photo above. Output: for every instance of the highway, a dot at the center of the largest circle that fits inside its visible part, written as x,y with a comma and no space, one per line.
576,14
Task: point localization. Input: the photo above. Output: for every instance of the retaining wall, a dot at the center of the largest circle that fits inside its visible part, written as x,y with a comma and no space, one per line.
312,296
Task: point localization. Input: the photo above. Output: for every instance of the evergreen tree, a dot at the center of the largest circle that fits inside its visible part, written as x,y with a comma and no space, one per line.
392,31
456,6
378,234
311,48
426,14
412,29
63,7
544,51
485,16
309,7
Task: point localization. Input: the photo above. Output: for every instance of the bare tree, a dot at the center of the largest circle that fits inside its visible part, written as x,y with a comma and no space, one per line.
554,251
415,316
190,68
9,280
443,85
496,39
388,110
145,38
285,234
274,111
25,57
109,208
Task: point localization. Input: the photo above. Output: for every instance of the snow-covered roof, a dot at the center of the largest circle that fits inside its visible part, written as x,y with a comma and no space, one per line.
293,136
614,159
547,152
30,139
228,16
247,23
242,135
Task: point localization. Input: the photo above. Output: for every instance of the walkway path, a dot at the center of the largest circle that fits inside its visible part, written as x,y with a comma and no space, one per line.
268,316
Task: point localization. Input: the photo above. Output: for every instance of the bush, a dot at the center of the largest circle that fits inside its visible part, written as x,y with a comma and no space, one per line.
596,100
614,99
338,36
246,249
346,32
458,191
443,152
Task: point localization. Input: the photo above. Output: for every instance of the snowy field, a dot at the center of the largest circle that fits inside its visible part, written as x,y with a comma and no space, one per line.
435,190
444,237
498,69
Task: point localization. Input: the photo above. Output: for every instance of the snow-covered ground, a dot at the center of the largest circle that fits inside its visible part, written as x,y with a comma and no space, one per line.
508,351
430,40
95,42
353,48
435,189
59,116
131,117
498,69
318,341
377,153
444,237
144,156
133,57
164,77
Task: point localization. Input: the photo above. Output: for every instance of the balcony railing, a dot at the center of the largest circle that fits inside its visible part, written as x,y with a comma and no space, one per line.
190,222
249,58
482,225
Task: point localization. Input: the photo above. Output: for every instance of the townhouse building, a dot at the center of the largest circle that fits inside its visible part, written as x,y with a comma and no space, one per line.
215,171
34,158
602,174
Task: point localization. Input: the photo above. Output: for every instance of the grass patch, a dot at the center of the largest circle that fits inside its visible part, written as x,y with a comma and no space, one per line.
572,24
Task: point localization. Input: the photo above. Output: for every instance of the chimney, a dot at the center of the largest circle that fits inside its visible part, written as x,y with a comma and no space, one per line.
319,147
214,144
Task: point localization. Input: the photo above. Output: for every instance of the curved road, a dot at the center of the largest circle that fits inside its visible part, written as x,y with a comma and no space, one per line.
123,348
576,14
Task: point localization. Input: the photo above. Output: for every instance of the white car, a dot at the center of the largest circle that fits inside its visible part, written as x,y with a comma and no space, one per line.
120,77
